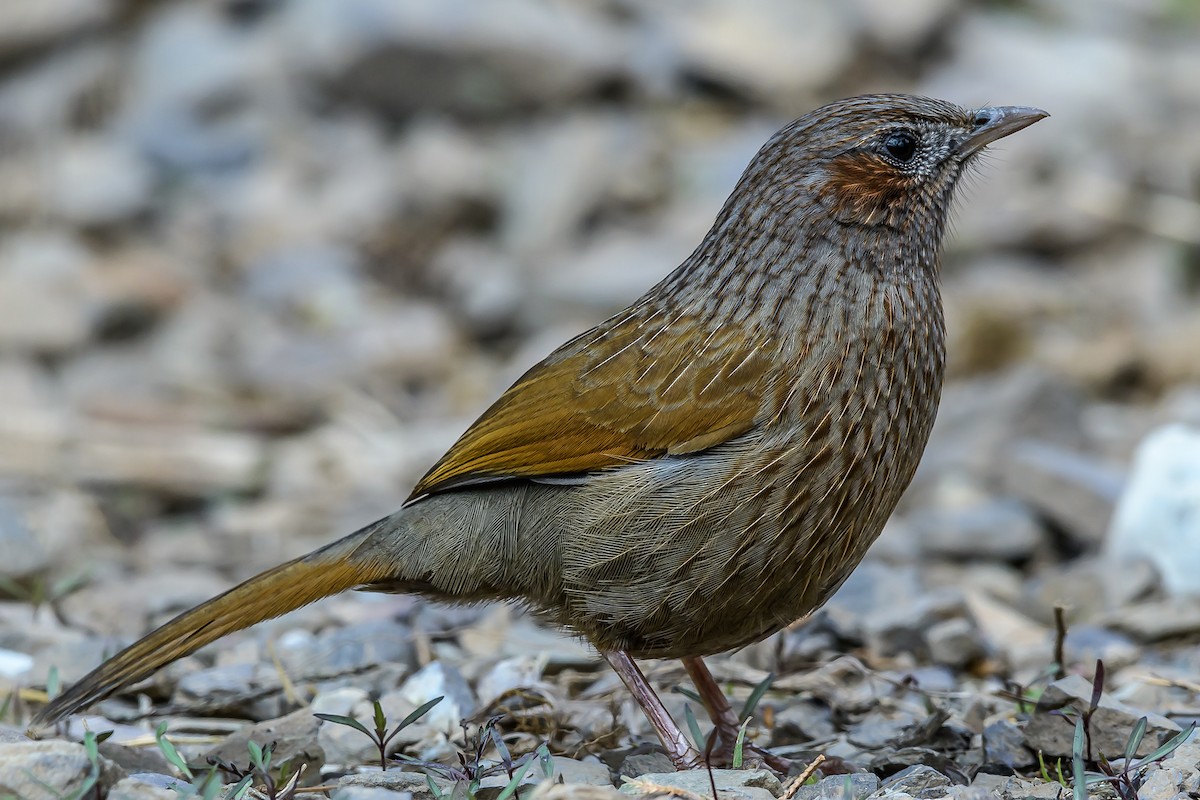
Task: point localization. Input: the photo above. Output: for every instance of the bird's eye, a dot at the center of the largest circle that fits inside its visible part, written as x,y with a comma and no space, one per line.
901,146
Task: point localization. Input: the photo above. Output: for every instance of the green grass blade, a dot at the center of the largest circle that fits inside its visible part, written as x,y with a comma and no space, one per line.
170,753
740,744
501,749
1135,739
349,722
1079,782
511,789
756,697
1097,687
694,728
241,788
1165,749
53,682
421,711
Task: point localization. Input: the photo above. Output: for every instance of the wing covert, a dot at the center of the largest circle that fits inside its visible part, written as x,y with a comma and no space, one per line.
622,392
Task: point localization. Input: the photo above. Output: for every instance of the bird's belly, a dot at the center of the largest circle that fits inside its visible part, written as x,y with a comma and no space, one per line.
709,552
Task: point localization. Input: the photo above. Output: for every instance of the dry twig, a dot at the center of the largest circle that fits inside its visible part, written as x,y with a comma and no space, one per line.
795,785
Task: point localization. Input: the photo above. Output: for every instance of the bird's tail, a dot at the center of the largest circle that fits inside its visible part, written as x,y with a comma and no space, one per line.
289,586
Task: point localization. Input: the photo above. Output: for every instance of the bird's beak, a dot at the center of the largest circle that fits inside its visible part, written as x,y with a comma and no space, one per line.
996,122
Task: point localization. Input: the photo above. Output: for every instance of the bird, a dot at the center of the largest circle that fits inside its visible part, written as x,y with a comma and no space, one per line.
706,466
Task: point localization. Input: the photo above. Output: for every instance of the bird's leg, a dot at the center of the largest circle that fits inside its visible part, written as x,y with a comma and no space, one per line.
681,753
722,715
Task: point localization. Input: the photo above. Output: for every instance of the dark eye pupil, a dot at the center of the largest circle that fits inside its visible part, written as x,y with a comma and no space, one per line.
900,146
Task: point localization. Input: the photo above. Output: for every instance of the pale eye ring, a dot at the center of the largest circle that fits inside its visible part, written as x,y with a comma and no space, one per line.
900,146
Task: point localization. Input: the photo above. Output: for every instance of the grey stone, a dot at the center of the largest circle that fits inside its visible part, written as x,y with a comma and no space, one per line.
574,791
567,772
917,781
44,305
28,25
770,50
487,295
1158,516
188,57
1004,743
1088,588
734,784
294,735
135,760
969,793
238,689
990,782
900,29
573,771
9,735
881,726
902,627
461,57
1156,620
1013,787
1087,644
395,781
1111,724
604,274
1076,492
50,770
1176,776
97,182
369,793
640,764
802,722
955,642
855,786
134,788
562,174
347,650
322,283
21,554
978,419
982,529
869,595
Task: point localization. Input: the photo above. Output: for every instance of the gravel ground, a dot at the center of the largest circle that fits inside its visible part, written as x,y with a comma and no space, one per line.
261,261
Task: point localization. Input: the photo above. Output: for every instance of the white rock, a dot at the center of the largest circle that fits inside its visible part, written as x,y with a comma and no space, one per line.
511,673
339,701
14,665
44,304
772,48
438,680
1158,516
95,182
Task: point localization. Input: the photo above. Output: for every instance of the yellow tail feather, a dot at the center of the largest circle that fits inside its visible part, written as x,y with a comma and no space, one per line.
265,596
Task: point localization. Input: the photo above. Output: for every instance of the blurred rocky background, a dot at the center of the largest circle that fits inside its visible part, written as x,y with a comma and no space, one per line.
261,261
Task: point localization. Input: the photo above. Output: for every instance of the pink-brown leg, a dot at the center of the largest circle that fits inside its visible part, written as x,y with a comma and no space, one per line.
722,715
681,753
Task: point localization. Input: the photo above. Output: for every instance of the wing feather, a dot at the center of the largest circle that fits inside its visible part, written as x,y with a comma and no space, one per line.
625,391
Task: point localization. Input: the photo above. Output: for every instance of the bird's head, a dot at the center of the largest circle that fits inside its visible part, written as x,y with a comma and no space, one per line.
878,161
